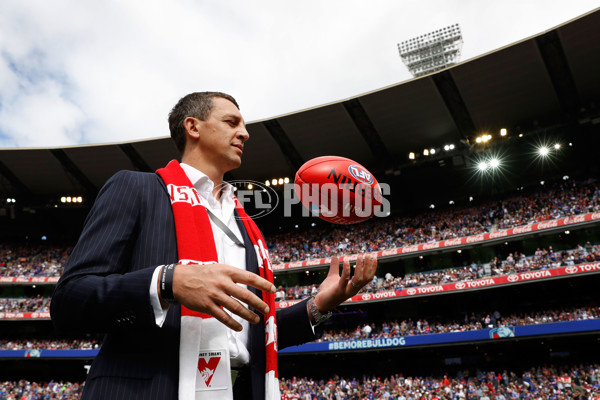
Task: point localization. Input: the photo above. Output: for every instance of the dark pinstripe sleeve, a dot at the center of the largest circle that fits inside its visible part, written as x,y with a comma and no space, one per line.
293,326
100,290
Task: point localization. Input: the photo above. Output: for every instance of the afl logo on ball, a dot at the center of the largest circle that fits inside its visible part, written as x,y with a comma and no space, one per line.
360,174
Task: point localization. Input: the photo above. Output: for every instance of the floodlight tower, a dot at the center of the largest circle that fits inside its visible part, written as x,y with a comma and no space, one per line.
433,51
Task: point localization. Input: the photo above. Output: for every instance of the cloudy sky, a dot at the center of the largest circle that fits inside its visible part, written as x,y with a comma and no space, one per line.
78,72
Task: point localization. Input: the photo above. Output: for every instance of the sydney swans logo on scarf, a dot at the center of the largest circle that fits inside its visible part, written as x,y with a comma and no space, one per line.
209,367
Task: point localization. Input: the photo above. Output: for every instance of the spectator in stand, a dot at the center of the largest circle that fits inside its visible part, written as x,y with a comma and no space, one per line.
558,201
27,261
528,384
25,390
36,304
475,271
49,344
473,322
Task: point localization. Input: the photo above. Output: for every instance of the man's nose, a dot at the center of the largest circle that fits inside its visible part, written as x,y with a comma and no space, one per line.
243,134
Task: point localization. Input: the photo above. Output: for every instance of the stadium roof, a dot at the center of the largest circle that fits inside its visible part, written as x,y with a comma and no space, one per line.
543,80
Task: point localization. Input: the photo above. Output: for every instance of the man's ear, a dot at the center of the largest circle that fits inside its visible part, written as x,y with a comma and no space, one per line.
192,127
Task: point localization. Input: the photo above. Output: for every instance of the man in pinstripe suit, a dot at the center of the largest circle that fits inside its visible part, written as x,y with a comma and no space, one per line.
110,283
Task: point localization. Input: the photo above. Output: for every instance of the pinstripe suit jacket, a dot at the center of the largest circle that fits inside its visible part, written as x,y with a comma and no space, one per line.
129,231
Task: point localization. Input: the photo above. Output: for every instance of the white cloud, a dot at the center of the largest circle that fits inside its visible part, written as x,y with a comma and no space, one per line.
110,71
40,118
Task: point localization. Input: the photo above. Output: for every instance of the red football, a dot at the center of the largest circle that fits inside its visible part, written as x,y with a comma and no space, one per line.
338,190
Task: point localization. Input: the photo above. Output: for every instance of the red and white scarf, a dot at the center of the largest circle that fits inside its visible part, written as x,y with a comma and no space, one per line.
201,332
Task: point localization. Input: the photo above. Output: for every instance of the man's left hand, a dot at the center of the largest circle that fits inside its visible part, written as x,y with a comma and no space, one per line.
336,289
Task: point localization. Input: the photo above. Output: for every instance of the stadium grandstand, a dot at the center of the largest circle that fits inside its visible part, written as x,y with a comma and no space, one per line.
489,259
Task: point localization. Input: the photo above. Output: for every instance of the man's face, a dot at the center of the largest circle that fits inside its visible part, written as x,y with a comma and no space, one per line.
222,136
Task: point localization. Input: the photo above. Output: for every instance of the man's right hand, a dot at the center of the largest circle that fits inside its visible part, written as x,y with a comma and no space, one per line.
213,288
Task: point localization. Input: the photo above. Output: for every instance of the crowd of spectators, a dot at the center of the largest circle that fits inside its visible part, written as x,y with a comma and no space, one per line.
25,390
23,304
548,382
562,199
28,261
513,263
471,322
49,344
408,327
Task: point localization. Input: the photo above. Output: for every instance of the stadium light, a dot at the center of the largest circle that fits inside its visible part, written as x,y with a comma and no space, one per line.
543,151
431,151
490,164
71,199
433,51
425,152
276,181
503,132
483,138
556,146
411,155
250,186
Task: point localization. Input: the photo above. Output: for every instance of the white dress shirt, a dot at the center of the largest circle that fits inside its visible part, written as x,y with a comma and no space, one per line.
227,251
